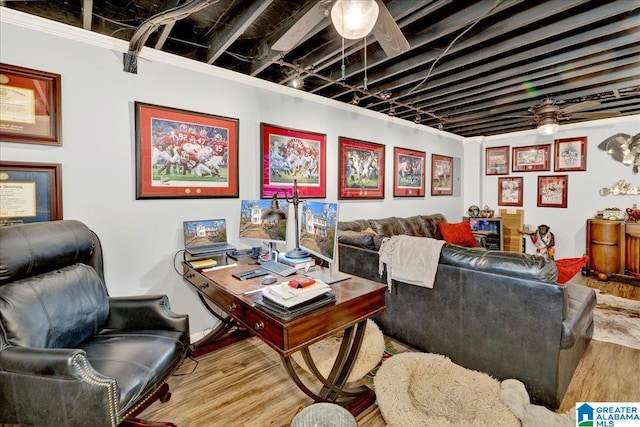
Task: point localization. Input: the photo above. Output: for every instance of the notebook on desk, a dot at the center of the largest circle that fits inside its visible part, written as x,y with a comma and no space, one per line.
206,237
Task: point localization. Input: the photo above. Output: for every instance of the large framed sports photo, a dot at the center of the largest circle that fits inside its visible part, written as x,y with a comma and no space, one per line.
290,154
408,174
184,154
361,166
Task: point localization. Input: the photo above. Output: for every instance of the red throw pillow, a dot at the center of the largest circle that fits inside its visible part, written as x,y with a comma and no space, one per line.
569,267
458,233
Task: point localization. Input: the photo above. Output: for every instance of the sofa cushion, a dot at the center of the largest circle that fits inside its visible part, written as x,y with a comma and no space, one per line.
387,226
361,239
458,233
525,266
59,309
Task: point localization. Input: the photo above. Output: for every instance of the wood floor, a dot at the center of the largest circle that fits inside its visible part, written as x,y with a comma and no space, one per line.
246,385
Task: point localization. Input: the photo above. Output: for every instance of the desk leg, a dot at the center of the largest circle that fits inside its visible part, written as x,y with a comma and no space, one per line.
226,333
333,389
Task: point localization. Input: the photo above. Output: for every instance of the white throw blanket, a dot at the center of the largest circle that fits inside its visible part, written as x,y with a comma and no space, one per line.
410,259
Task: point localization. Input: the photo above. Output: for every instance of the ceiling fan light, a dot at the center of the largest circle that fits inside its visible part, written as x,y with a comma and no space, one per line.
354,19
548,126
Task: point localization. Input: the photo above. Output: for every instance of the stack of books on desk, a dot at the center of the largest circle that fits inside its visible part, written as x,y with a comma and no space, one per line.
287,302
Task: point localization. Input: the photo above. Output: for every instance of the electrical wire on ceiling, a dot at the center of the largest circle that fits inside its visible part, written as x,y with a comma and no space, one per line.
423,81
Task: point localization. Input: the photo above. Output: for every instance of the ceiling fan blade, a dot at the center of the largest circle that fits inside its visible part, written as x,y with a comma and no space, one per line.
595,115
579,106
388,34
301,28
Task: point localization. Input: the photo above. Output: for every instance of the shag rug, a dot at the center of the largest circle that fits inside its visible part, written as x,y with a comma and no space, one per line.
424,389
617,320
324,353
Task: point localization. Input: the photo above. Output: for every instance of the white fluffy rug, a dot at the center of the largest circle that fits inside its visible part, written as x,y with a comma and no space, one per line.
424,389
324,353
617,320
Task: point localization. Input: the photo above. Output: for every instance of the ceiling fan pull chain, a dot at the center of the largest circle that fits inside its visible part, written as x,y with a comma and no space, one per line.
342,67
364,85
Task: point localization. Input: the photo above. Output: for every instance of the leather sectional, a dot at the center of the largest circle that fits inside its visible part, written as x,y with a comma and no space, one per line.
497,312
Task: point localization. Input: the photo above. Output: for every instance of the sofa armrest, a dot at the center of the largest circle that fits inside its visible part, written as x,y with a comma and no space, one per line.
144,312
54,387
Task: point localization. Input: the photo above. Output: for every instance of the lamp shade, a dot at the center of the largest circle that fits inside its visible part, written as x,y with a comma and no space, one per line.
548,126
274,213
354,19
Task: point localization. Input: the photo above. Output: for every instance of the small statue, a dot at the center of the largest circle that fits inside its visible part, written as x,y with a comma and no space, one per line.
545,242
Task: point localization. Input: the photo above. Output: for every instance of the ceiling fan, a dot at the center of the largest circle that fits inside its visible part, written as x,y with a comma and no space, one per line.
548,113
385,30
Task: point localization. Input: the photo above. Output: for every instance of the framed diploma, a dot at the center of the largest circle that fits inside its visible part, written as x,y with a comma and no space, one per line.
29,106
30,192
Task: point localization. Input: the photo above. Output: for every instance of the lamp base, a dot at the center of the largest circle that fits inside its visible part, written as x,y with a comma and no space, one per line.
297,253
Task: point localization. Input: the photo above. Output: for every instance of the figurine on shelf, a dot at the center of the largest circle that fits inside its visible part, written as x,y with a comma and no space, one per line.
545,241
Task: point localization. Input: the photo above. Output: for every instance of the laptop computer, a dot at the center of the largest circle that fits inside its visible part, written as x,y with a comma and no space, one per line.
205,237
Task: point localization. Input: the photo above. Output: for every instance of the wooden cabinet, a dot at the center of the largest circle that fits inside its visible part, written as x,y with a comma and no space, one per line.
632,249
606,246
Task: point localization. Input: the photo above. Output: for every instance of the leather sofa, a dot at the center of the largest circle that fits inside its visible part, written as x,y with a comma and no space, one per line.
71,355
497,312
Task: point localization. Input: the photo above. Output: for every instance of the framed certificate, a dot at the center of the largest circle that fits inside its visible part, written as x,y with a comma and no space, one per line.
30,192
29,106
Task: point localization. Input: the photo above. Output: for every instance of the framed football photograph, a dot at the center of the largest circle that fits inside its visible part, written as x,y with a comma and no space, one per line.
361,168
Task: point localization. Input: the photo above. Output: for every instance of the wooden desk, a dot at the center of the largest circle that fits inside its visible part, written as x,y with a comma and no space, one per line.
357,300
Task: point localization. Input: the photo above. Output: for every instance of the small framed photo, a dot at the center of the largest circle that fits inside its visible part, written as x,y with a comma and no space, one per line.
31,106
531,158
184,154
441,175
497,161
570,154
408,173
291,154
510,191
552,191
30,192
361,168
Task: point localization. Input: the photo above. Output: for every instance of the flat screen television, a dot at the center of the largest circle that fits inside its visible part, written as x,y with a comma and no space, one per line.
318,236
254,227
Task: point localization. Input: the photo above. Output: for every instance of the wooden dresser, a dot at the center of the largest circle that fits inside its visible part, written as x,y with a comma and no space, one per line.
613,247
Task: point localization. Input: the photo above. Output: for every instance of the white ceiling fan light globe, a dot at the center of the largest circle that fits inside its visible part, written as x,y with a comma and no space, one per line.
354,19
548,127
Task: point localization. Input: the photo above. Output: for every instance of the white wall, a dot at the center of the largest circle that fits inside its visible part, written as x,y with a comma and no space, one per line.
583,199
142,237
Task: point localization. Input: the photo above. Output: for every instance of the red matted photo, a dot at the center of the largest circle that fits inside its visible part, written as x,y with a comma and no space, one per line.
289,154
510,191
184,154
408,173
441,175
31,106
531,158
361,168
571,154
552,191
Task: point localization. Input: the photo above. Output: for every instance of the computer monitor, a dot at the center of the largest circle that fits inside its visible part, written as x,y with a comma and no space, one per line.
254,227
318,236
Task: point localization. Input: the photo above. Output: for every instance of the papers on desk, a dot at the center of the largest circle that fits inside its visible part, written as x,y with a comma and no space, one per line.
287,297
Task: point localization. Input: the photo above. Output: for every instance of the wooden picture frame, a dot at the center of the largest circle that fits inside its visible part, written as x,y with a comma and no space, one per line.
31,106
532,158
570,154
552,191
361,169
441,175
30,192
510,190
288,154
497,160
408,172
184,154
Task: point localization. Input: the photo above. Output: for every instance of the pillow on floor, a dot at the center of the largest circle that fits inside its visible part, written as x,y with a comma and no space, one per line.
458,233
569,267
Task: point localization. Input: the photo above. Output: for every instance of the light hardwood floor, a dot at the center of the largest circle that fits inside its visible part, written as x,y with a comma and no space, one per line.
246,385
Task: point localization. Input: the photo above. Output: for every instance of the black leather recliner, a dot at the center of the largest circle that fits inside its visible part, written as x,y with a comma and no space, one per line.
71,355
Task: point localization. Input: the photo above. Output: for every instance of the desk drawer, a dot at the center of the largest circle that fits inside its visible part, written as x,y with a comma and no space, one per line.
262,326
214,294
